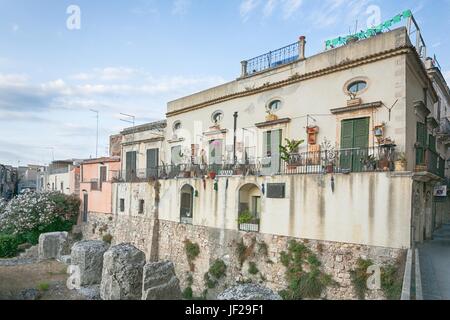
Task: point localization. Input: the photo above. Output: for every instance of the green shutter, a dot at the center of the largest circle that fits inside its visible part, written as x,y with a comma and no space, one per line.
422,143
355,136
346,143
432,142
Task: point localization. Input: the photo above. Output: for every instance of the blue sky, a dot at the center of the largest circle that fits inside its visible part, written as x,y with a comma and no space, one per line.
133,56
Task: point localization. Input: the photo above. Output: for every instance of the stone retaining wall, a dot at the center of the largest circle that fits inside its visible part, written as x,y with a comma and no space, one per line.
337,258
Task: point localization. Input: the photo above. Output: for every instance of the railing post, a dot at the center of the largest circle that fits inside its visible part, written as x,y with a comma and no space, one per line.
244,65
301,47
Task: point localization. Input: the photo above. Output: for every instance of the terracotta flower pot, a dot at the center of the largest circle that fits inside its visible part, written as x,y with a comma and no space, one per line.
212,175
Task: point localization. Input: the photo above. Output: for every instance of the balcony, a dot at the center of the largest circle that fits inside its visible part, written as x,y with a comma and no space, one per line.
273,59
376,159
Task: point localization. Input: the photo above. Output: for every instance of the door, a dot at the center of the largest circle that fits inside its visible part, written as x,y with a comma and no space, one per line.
354,143
215,155
102,176
271,152
422,143
131,165
85,208
152,162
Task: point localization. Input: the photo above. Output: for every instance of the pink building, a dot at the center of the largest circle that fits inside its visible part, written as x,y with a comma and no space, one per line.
96,186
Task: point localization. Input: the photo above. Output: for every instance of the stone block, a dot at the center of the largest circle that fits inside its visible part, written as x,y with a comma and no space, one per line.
88,256
53,245
122,273
160,282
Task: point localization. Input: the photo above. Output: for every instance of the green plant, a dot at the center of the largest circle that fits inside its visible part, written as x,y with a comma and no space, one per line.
107,238
391,282
252,268
245,217
210,283
359,277
8,246
263,249
218,269
192,252
44,286
190,280
187,293
289,149
301,283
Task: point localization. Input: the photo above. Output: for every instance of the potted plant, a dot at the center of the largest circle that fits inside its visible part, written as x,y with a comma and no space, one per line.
401,163
369,163
289,151
245,217
328,155
212,174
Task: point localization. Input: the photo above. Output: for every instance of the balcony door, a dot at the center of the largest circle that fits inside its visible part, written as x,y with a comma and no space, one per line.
131,165
152,162
271,152
354,143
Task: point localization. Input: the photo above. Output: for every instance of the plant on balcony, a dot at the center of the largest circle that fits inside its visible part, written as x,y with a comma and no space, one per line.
401,163
246,217
288,152
369,163
328,155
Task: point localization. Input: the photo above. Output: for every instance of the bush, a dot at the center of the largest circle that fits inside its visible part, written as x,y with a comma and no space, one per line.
218,269
8,246
30,214
252,268
359,277
187,293
192,251
107,238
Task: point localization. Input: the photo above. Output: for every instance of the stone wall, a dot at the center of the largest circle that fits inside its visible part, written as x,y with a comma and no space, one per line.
97,226
337,258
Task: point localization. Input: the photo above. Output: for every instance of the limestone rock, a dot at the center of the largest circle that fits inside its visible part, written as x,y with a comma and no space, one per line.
53,245
248,292
88,256
160,282
122,273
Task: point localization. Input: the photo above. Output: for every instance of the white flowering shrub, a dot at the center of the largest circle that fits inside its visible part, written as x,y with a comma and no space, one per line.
30,214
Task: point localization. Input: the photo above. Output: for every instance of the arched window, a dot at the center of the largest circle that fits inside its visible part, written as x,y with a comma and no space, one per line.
176,126
357,86
217,117
249,211
187,204
274,105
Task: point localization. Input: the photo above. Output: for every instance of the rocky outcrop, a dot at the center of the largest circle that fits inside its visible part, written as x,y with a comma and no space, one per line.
160,282
122,273
248,292
88,257
53,245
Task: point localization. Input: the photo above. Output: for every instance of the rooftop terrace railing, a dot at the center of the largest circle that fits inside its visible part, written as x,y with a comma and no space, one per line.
272,59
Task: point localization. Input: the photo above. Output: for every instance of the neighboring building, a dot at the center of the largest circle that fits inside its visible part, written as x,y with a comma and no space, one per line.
220,177
8,181
62,176
97,176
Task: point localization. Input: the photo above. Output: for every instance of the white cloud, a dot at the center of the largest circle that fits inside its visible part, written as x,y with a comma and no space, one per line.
290,7
247,7
270,7
10,80
181,7
107,74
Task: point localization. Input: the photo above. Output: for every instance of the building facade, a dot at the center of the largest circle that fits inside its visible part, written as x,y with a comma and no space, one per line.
343,150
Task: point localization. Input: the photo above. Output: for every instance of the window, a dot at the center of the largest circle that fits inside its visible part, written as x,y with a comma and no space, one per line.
356,86
122,205
274,106
176,126
217,117
141,206
103,178
62,186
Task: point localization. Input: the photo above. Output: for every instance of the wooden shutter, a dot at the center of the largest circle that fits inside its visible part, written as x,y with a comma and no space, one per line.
346,143
422,142
152,158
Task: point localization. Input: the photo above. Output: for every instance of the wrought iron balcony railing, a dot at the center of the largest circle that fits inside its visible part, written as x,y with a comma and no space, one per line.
272,59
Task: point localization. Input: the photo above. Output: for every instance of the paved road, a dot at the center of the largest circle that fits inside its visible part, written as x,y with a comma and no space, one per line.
435,266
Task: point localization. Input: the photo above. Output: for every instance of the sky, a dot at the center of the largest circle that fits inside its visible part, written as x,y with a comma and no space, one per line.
134,56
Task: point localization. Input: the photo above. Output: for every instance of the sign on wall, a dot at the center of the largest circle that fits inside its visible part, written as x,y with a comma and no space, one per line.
440,191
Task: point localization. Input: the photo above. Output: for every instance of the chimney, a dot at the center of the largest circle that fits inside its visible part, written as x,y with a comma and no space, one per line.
301,47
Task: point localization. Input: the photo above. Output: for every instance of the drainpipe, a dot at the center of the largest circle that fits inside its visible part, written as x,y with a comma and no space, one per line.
234,138
301,48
